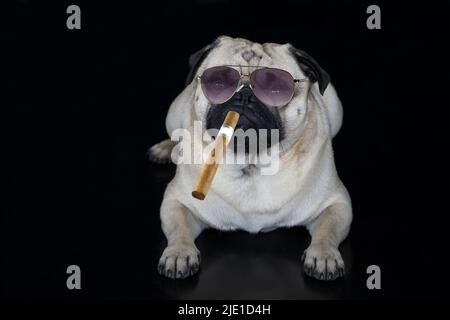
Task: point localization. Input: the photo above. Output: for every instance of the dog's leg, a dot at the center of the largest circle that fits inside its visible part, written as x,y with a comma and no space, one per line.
181,258
322,259
161,152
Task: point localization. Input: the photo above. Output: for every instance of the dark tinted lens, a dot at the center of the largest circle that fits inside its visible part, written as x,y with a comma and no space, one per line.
219,83
274,87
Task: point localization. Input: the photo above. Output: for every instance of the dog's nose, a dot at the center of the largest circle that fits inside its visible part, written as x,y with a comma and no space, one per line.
245,96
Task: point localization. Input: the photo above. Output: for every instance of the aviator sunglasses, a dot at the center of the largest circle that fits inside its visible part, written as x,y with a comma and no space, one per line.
273,87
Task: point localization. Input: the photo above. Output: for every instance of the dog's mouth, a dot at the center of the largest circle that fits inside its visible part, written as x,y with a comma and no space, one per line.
254,129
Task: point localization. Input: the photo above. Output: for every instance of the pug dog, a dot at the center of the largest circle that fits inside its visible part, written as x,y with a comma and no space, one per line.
305,190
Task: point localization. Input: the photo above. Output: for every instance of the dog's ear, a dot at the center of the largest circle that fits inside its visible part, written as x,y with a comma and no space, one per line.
196,59
311,68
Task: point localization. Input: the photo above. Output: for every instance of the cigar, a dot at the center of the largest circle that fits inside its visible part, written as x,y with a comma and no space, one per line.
215,156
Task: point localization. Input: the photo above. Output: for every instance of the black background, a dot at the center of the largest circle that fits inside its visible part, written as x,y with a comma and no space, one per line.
81,108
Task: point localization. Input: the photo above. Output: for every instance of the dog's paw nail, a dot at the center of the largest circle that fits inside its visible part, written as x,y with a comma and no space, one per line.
194,268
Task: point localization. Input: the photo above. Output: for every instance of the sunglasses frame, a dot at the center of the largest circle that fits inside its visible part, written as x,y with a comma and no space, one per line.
240,84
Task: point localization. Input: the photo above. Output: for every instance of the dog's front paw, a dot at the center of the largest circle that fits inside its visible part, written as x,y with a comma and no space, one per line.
179,261
161,152
323,262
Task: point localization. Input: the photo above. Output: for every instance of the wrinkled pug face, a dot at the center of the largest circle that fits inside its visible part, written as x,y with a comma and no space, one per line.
238,88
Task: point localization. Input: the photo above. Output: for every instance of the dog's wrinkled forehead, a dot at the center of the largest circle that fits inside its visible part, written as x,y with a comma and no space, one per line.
242,52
